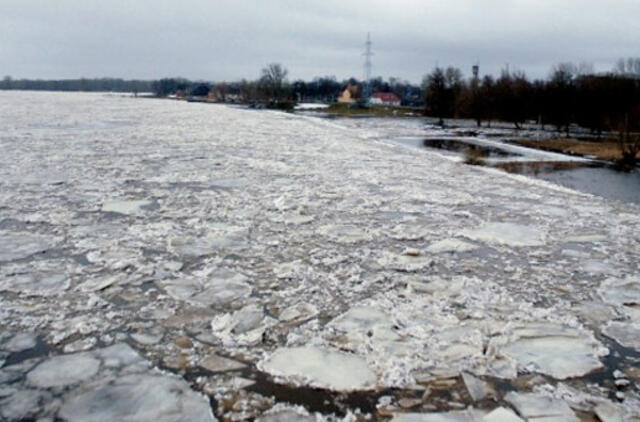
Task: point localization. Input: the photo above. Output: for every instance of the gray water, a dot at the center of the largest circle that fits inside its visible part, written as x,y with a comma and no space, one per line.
598,179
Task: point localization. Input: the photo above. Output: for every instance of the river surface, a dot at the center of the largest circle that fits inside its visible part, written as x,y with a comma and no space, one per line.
173,261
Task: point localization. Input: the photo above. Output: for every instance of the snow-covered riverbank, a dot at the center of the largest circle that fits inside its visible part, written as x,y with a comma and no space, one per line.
250,255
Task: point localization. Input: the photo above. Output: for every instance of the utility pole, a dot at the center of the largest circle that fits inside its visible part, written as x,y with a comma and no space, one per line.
367,67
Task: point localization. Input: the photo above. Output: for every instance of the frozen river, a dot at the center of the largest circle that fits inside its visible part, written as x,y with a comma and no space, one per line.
170,261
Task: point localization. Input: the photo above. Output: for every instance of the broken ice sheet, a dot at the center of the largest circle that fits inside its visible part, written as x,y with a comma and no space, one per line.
509,234
126,207
559,351
137,397
625,333
362,323
221,288
346,233
470,415
37,283
231,237
536,407
297,312
621,291
320,367
450,245
20,342
403,262
16,245
64,370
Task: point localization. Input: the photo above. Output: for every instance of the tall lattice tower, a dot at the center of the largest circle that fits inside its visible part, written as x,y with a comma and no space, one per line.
368,53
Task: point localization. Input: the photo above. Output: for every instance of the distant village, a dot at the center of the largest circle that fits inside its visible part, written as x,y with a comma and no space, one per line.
394,92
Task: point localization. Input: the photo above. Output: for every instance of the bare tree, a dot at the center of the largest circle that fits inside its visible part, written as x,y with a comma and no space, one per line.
273,82
628,67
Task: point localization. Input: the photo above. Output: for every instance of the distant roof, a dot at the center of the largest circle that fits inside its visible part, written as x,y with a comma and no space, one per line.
386,96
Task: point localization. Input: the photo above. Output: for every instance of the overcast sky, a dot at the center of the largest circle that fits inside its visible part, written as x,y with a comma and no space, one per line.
233,39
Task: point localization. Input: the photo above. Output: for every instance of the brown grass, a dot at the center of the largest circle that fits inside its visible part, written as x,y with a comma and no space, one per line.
608,150
343,110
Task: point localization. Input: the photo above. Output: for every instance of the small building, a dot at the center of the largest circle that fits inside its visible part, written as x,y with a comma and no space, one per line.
349,95
385,98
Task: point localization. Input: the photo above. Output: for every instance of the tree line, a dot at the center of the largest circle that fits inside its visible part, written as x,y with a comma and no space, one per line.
571,95
82,84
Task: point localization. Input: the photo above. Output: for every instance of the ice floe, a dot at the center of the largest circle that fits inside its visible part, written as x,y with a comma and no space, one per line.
220,288
127,207
450,245
554,350
625,333
113,383
16,245
139,398
509,234
540,408
321,367
20,342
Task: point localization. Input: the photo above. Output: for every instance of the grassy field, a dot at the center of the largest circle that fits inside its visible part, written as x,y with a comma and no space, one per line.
607,150
344,110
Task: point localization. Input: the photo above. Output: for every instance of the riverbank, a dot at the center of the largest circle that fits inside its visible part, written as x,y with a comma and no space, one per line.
352,110
606,150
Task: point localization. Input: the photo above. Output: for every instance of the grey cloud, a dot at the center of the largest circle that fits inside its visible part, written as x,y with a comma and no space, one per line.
228,40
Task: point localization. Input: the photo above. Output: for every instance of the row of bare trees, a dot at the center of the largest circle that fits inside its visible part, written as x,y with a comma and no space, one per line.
597,102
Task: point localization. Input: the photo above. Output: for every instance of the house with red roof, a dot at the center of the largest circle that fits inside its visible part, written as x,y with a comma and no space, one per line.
385,98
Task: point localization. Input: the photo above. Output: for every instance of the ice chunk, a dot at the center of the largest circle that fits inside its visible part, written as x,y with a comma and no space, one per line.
297,312
533,406
20,342
406,263
501,414
509,234
471,415
365,322
215,363
620,291
405,232
22,405
361,318
285,413
139,398
222,288
126,207
247,318
60,371
120,355
555,350
321,368
625,333
80,345
230,237
36,283
476,387
450,245
345,233
147,338
16,245
608,412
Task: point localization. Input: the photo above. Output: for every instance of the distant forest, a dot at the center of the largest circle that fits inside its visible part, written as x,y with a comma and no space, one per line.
83,84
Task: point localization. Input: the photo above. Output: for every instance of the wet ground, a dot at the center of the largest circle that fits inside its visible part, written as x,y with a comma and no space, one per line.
170,261
494,150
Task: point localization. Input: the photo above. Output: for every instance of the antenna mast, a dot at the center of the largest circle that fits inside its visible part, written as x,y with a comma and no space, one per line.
367,67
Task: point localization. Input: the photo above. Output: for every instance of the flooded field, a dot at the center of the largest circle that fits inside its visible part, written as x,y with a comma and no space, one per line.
490,147
173,261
